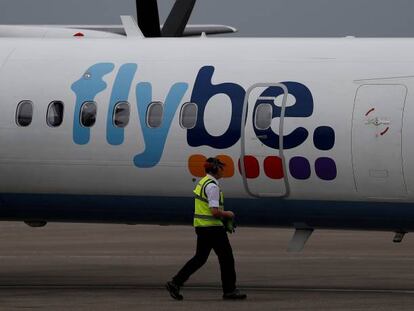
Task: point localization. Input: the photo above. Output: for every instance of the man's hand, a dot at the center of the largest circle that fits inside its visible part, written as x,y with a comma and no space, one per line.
221,214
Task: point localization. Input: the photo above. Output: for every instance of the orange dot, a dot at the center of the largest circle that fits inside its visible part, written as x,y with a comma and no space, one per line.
196,165
229,165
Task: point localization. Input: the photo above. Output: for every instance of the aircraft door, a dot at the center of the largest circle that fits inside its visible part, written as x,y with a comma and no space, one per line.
264,168
377,140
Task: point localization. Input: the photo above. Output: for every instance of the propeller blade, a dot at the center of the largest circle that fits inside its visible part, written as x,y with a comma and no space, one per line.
177,20
148,18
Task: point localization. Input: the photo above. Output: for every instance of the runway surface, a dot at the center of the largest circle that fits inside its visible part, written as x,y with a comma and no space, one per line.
120,267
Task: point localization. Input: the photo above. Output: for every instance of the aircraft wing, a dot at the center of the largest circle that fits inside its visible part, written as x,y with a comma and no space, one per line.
197,30
190,30
96,31
52,31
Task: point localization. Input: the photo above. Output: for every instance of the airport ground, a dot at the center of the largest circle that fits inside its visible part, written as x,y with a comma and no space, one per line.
120,267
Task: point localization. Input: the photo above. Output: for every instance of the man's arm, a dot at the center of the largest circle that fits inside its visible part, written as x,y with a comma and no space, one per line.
217,213
213,196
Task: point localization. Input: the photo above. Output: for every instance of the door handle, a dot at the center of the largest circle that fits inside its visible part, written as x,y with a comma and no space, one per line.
377,121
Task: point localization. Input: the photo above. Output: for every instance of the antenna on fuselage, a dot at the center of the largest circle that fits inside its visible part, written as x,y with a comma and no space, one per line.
174,26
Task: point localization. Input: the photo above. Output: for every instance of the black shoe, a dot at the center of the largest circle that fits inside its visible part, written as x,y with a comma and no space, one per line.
174,290
234,295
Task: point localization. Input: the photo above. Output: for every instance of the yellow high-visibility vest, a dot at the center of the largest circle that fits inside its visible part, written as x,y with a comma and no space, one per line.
202,211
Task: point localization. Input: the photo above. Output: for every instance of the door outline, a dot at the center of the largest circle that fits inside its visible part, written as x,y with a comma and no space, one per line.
243,138
404,182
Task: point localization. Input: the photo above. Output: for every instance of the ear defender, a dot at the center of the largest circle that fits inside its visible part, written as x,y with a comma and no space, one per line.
212,165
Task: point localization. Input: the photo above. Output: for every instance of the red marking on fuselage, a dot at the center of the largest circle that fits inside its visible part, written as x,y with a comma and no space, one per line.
273,167
251,166
385,131
369,111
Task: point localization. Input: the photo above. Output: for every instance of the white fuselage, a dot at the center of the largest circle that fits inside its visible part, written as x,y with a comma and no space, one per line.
346,77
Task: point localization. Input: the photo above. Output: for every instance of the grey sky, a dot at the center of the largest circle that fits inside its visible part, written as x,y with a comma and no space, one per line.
363,18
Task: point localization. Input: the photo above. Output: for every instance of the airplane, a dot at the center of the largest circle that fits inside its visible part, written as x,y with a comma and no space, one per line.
113,125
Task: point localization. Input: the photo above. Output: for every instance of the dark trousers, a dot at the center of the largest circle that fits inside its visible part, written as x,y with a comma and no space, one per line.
209,238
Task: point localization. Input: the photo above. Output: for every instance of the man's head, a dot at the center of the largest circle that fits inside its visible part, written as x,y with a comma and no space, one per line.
214,167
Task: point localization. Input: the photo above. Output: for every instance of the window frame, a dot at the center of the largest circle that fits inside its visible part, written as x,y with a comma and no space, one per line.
18,110
47,113
81,109
114,114
147,117
181,115
256,117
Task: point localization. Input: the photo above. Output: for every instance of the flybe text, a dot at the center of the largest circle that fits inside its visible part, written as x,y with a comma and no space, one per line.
91,83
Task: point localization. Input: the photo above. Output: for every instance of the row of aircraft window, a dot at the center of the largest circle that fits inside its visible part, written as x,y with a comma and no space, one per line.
121,114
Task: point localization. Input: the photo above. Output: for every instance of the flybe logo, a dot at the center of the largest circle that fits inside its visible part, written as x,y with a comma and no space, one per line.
92,83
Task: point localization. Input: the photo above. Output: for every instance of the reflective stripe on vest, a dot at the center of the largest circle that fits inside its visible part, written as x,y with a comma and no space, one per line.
202,211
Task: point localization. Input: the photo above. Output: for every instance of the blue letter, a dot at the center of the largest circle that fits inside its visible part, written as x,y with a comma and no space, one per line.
120,92
301,109
202,92
155,137
86,88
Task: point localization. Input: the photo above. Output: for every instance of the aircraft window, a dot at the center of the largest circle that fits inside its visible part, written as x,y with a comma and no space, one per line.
263,118
155,113
54,117
121,114
88,114
24,113
188,116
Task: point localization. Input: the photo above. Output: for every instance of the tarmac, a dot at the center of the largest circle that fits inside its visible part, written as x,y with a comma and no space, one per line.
121,267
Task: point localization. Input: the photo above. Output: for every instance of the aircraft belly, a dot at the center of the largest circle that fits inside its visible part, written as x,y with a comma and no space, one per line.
263,212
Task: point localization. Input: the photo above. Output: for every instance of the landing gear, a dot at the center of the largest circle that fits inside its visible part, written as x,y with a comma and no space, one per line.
399,236
299,239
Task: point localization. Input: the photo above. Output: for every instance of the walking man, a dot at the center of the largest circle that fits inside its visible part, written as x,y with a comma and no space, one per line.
209,216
